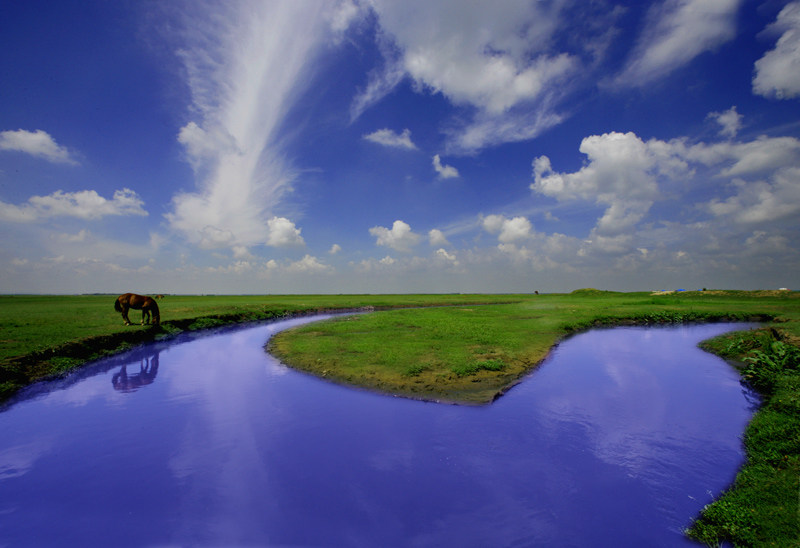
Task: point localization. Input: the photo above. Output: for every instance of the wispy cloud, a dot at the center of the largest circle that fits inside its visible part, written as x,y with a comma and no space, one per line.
245,63
491,58
389,138
677,32
36,143
776,74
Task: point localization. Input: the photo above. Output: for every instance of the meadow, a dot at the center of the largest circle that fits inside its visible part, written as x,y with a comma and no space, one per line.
465,349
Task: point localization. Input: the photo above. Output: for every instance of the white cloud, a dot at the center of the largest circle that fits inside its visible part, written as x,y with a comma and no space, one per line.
487,131
335,248
241,252
215,238
308,264
493,57
777,73
625,174
762,201
283,233
621,174
238,268
245,64
449,257
389,138
344,15
399,238
729,120
36,143
761,155
509,230
437,238
71,238
677,32
85,204
444,171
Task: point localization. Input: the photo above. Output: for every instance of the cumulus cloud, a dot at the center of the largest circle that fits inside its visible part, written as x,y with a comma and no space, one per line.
621,174
508,230
444,171
36,143
625,173
730,122
389,138
244,63
241,252
283,233
677,32
762,201
399,238
443,254
335,248
777,73
437,238
85,204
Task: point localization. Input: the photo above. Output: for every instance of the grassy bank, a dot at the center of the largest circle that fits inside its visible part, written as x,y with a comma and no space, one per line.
472,354
761,508
469,352
42,336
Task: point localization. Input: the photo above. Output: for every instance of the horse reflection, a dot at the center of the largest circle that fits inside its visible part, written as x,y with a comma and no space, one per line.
148,369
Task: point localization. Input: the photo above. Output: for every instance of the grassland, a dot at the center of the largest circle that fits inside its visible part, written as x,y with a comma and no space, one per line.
45,335
472,354
466,349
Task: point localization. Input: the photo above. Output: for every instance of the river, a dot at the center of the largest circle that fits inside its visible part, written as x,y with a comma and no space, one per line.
619,439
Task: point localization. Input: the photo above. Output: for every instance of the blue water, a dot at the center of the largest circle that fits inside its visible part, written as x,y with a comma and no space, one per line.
619,439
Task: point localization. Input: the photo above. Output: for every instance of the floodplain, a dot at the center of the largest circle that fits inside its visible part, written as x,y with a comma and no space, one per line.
465,349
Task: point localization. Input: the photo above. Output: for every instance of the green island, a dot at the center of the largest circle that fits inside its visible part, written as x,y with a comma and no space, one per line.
466,349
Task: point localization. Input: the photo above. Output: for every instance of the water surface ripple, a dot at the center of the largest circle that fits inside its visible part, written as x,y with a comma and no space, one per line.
619,439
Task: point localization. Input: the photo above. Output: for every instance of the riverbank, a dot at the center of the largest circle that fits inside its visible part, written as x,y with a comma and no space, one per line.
761,507
50,335
481,350
472,355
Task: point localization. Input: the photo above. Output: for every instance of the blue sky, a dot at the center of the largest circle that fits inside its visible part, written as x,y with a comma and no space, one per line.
368,146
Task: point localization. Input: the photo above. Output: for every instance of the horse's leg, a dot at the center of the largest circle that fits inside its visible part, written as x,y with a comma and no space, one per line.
125,314
145,314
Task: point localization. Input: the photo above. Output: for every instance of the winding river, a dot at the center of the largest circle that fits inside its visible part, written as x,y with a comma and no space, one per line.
619,439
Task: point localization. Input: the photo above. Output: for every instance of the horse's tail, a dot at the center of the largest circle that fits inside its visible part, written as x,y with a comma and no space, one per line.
117,306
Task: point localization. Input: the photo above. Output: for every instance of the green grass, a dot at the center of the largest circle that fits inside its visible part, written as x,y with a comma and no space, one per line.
472,354
761,508
41,336
469,352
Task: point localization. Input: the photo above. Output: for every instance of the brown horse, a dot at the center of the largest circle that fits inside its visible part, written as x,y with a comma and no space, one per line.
138,302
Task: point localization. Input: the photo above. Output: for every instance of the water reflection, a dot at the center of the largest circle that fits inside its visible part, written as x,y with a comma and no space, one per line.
615,441
148,369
